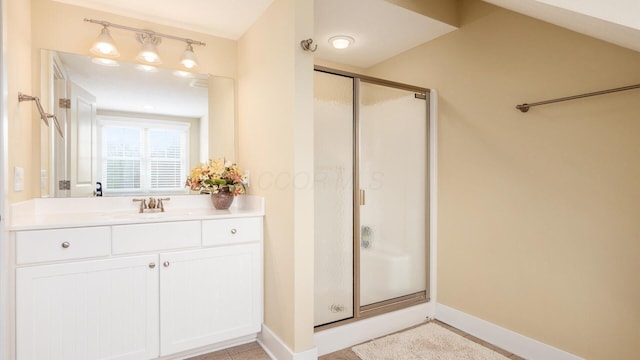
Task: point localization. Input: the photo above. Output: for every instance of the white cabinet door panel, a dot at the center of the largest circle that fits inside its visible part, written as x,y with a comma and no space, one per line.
103,309
209,295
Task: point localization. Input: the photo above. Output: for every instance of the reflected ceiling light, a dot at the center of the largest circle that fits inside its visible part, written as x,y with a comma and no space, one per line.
189,57
104,45
105,62
341,41
147,68
182,73
148,54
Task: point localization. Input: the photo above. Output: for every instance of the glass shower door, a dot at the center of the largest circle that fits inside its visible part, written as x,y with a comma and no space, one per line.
333,186
393,217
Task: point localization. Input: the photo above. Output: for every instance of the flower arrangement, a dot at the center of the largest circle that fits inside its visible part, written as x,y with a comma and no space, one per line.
216,176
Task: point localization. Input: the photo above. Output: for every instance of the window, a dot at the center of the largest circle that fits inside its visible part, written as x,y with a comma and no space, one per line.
142,156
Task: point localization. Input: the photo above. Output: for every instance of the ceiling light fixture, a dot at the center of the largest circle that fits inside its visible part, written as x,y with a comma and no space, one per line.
104,46
341,41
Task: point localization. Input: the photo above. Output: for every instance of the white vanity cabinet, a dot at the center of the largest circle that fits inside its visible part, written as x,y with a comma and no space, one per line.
99,309
137,290
209,295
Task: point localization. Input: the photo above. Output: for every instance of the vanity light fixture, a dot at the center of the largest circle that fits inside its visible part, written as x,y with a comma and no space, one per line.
189,57
149,53
104,46
341,41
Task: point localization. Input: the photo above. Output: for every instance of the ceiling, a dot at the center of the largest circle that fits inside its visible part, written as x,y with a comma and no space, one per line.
375,26
380,29
360,19
224,18
614,21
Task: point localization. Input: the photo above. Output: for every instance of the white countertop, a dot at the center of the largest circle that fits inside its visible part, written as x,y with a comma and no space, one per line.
37,214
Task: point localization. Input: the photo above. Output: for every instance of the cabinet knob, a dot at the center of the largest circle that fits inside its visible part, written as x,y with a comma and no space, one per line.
66,244
152,265
233,231
166,264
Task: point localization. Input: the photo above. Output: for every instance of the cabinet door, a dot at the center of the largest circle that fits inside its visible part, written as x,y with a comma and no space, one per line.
209,295
103,309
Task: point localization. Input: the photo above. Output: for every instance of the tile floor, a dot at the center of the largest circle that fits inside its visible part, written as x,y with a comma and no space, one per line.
253,351
250,351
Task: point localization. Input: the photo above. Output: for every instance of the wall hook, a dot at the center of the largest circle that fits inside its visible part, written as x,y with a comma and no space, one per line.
306,45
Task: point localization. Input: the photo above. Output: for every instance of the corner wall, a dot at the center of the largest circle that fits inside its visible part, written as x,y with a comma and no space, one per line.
275,78
538,212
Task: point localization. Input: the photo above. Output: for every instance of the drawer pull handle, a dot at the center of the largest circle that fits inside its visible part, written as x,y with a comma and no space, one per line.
65,244
166,264
152,265
233,231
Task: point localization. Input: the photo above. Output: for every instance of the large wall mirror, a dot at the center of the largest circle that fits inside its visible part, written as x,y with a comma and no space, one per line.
135,129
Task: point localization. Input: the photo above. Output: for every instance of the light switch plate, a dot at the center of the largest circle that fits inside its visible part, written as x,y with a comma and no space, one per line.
18,179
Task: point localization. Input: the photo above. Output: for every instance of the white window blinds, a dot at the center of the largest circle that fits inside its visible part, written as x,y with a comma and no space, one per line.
140,156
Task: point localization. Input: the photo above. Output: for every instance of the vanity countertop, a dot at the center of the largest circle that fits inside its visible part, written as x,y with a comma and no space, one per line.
37,214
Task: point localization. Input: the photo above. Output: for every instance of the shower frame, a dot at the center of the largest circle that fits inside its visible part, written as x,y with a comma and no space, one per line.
398,303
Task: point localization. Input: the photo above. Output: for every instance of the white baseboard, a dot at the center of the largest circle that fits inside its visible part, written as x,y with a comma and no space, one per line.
344,336
278,350
508,340
209,349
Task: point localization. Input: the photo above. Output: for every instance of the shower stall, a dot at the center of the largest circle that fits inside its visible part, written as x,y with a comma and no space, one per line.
371,196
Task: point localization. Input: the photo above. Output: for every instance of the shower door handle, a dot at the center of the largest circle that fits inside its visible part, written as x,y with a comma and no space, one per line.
362,197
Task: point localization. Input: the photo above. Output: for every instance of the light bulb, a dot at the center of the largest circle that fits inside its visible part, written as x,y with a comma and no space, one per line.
341,42
189,58
103,45
148,54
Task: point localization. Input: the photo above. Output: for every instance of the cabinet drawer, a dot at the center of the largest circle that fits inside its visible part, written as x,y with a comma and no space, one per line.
229,231
62,244
154,237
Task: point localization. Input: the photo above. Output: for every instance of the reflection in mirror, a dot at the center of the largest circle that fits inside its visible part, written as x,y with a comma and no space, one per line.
135,129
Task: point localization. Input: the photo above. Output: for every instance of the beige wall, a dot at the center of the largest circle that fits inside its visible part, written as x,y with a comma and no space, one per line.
61,27
275,86
37,24
23,122
342,67
538,212
442,10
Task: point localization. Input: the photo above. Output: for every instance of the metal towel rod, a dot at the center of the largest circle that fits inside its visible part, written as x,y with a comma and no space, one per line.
525,107
43,115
